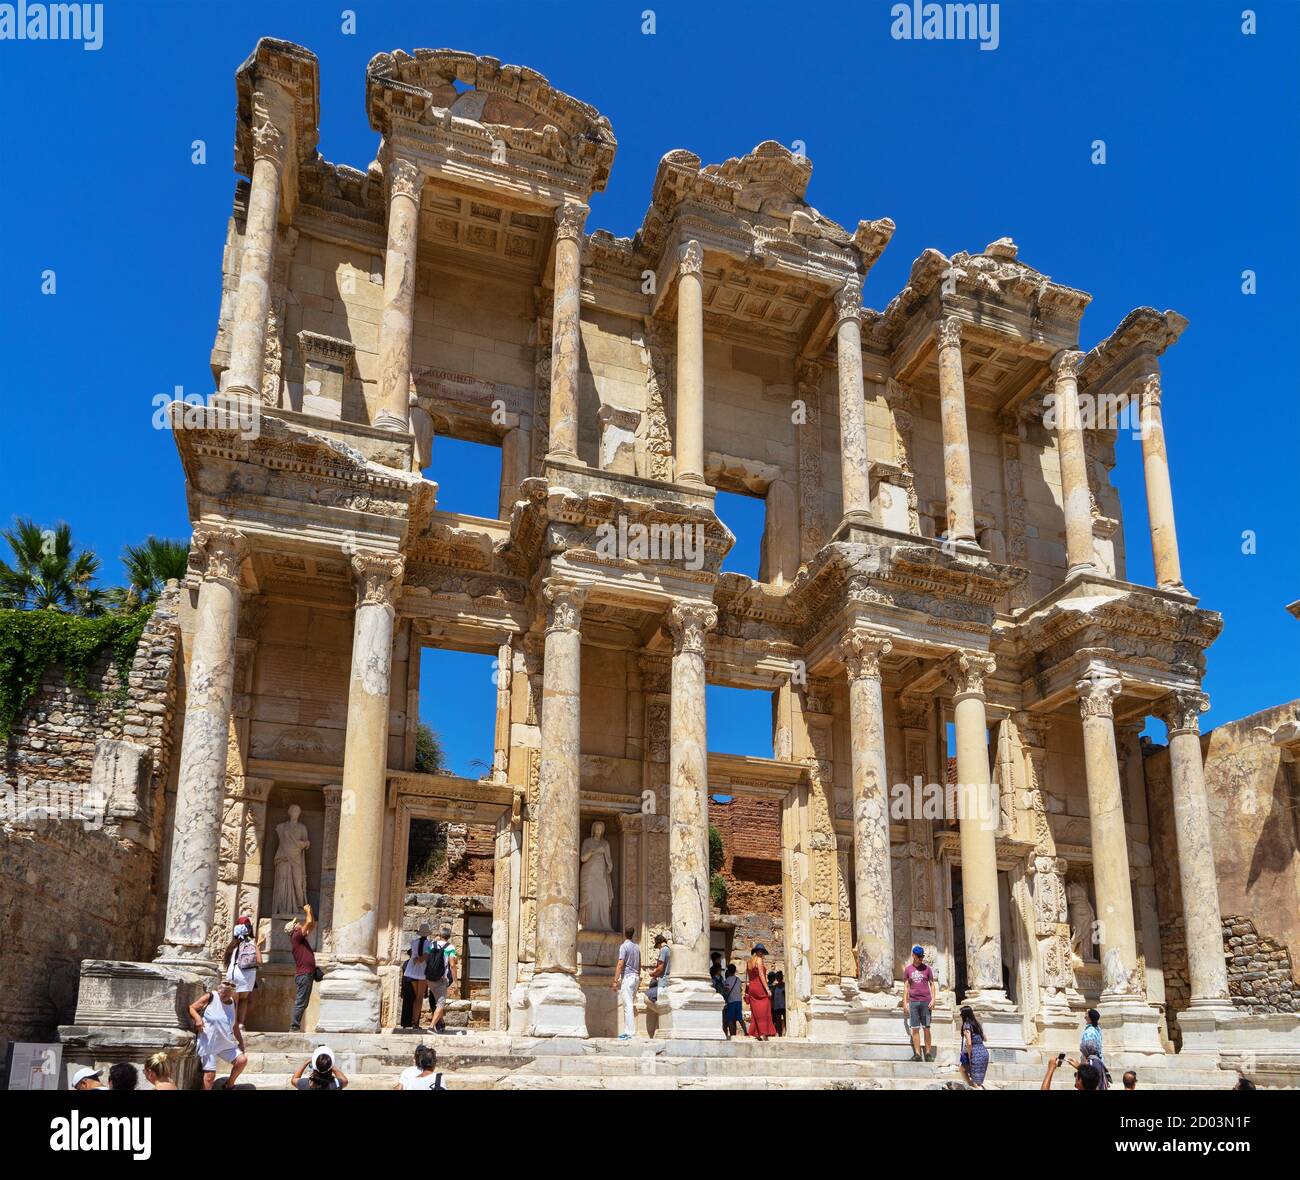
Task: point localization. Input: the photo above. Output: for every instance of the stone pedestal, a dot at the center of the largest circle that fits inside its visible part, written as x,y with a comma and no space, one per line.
557,1005
130,1011
691,1010
880,1019
1129,1024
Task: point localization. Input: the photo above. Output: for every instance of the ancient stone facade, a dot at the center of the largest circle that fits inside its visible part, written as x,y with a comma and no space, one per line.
943,550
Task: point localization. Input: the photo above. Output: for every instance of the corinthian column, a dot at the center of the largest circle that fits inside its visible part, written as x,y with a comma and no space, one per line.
1074,465
566,332
205,744
957,483
1160,495
405,181
690,364
695,1009
253,298
854,478
977,815
862,651
349,994
1200,888
556,1003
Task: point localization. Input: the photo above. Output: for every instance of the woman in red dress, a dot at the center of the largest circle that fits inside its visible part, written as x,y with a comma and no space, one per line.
760,999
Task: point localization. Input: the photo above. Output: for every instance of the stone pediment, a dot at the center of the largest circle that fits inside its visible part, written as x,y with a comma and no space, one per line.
296,70
1141,336
517,103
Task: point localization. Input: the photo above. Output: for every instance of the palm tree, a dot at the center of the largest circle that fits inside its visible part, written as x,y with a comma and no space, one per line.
46,575
149,567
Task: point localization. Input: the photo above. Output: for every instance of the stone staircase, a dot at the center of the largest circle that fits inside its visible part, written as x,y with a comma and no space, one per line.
497,1061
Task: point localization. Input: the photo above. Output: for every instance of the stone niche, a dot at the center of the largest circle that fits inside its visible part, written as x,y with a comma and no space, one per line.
274,995
598,949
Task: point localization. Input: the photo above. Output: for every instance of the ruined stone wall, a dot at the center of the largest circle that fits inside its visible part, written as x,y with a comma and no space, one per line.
750,828
83,888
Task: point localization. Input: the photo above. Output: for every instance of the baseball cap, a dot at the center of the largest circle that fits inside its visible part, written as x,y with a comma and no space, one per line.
919,950
83,1073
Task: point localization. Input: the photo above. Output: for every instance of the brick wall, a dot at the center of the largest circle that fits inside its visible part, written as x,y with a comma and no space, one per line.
77,881
750,828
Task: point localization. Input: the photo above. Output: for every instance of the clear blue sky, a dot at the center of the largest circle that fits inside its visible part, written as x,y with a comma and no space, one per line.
959,146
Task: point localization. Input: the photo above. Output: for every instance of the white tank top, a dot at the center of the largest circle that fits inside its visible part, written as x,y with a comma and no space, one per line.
219,1026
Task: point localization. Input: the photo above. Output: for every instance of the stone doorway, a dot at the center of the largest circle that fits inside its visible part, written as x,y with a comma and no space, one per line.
486,816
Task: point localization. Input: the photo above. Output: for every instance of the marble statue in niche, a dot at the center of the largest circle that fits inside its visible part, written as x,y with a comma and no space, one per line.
596,881
290,892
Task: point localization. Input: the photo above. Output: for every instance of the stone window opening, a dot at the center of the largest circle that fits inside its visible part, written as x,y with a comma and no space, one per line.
468,471
456,693
767,540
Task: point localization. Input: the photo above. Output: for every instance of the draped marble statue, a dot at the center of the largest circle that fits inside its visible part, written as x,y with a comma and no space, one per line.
596,881
1082,923
290,892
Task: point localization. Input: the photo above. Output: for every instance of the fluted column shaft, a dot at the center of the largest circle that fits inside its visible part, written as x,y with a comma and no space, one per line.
958,487
566,332
855,479
862,652
690,364
253,299
1160,493
1202,918
1074,465
205,744
688,786
1110,868
397,321
977,823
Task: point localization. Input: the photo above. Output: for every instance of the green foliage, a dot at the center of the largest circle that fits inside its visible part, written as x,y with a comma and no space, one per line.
47,574
718,891
429,758
149,567
716,853
33,640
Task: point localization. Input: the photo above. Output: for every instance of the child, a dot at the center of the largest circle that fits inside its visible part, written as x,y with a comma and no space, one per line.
778,1003
733,1011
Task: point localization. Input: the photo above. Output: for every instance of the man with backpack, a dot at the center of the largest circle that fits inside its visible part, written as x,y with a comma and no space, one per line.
440,972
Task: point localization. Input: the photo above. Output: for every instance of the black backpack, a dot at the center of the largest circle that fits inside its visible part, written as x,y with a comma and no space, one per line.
435,963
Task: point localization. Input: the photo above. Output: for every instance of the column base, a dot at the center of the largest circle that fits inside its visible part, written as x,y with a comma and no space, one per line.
1058,1027
1087,570
386,420
691,1010
879,1018
556,1006
349,1000
1129,1024
1200,1024
828,1016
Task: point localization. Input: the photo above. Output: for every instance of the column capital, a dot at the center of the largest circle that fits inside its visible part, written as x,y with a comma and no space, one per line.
1148,391
1065,364
687,622
966,671
569,221
1181,710
378,577
564,605
1097,690
269,142
690,258
862,651
949,332
848,301
405,179
222,551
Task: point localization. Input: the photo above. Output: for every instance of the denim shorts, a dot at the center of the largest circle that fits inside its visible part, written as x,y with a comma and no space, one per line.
918,1013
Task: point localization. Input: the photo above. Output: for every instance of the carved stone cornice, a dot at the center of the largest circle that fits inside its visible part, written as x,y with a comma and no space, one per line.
948,332
690,259
405,179
1181,710
688,623
1097,690
221,553
564,605
862,651
378,578
966,671
570,218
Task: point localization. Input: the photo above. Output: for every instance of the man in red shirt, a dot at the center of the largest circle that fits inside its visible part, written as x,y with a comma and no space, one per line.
304,964
919,981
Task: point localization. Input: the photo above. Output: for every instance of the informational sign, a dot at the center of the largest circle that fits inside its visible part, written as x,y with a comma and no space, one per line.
36,1067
